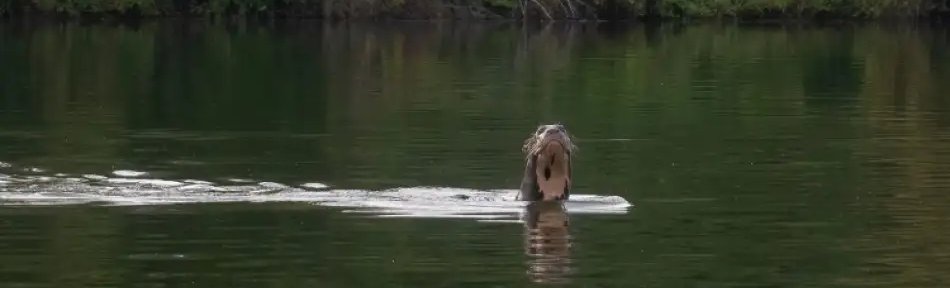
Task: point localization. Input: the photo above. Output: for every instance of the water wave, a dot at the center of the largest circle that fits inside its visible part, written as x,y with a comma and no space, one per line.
127,188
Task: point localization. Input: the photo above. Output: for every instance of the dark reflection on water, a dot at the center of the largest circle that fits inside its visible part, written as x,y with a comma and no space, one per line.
547,242
759,157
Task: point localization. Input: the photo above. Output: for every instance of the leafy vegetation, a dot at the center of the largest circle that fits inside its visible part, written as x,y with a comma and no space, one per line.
447,9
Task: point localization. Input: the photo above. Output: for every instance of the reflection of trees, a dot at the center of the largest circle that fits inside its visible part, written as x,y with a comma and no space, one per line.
449,105
907,120
404,85
76,247
81,76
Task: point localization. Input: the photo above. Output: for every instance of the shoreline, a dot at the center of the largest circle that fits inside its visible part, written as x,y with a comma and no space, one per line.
764,22
637,11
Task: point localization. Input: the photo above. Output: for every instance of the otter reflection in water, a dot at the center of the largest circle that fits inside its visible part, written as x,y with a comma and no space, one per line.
548,170
547,241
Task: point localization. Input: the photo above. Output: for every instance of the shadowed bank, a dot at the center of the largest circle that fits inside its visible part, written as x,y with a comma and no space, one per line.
484,9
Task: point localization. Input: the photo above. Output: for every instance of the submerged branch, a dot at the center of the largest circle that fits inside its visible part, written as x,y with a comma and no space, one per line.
545,10
571,6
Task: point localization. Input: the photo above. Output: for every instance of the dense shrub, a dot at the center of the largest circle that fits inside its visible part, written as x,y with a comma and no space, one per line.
444,9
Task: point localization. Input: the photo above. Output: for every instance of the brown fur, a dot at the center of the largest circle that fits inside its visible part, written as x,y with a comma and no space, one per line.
548,170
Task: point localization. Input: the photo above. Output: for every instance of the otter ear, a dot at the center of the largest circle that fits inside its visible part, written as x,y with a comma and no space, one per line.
526,148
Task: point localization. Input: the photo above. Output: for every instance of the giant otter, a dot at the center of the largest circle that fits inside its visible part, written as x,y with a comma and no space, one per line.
548,171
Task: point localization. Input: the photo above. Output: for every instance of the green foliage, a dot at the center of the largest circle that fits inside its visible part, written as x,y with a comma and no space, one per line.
536,8
843,8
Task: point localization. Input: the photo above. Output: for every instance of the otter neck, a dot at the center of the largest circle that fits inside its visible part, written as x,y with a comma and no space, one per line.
552,170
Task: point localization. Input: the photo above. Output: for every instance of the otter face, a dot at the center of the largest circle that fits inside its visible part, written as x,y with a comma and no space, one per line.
544,135
548,168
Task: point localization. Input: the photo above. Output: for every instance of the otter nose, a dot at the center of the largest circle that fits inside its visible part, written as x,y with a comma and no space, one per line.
553,131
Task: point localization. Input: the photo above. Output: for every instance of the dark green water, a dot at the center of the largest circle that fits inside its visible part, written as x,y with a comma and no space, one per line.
753,157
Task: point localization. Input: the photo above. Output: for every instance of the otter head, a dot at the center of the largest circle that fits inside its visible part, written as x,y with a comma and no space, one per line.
548,169
549,136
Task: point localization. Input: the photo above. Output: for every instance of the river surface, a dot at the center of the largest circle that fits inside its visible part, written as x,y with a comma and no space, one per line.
194,154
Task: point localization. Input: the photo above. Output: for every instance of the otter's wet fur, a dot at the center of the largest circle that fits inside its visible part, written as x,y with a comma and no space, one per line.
549,167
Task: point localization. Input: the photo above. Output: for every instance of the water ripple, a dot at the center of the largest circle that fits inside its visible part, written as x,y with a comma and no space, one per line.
425,202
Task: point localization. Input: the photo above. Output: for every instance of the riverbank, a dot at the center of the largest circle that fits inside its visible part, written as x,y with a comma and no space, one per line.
484,9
